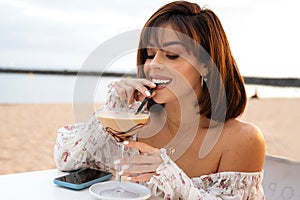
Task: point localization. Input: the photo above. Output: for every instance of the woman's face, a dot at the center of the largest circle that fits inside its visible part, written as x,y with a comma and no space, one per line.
173,67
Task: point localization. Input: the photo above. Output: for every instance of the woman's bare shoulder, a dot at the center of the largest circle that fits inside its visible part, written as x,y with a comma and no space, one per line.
244,147
242,131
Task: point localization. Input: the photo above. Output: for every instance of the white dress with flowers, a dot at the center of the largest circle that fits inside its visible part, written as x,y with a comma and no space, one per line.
87,145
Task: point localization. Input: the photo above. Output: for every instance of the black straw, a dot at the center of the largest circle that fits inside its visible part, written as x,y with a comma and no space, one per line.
144,102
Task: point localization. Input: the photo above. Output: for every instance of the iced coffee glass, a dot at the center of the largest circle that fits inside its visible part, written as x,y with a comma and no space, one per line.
121,125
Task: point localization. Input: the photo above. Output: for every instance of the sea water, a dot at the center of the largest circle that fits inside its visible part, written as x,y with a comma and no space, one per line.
33,88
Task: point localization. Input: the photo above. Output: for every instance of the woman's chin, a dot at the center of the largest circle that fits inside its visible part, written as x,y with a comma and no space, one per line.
159,100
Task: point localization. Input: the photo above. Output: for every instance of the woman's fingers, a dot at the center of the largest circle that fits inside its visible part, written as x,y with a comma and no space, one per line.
140,167
127,87
142,147
140,177
146,159
124,91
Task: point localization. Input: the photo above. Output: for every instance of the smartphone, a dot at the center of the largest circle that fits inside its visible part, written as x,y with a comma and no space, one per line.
82,178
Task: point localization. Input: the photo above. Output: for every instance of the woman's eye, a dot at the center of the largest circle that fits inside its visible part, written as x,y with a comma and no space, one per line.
150,57
172,57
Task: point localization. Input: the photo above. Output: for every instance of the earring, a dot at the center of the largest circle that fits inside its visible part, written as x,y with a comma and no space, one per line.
204,79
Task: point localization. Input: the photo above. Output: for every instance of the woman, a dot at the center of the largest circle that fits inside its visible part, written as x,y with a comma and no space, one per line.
194,146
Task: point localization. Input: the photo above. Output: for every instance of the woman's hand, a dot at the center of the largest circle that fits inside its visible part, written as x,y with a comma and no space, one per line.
130,89
140,167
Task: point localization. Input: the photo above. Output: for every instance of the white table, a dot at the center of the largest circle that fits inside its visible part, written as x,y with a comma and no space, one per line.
281,181
38,185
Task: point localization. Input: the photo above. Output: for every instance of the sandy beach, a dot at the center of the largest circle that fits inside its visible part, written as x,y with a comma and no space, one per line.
279,121
28,131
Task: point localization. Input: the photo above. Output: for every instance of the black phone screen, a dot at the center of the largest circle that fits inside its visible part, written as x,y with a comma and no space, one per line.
83,176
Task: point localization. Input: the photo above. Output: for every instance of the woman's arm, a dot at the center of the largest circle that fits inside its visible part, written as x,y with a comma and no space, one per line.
84,145
87,144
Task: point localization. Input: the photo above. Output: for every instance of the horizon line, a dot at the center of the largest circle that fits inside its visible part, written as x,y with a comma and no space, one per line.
252,80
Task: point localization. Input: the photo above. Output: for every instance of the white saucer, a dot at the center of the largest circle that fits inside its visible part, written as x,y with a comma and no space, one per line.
141,191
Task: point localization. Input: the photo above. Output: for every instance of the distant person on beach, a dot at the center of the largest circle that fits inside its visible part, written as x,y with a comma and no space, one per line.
255,95
194,146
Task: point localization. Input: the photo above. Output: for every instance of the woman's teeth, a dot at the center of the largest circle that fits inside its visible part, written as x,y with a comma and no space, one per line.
159,81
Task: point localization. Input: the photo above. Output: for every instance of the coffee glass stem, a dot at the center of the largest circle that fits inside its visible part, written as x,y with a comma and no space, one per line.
121,152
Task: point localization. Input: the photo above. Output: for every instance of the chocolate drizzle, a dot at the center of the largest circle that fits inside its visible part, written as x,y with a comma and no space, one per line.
119,136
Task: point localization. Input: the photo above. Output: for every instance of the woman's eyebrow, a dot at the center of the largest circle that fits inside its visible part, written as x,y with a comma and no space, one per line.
165,44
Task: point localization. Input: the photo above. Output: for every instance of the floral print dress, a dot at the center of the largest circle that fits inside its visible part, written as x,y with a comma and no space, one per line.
88,145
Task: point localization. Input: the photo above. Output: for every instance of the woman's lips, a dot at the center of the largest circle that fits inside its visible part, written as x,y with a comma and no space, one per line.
160,87
161,81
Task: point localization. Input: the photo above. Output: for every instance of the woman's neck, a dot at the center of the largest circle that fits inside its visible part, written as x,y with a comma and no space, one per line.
177,115
181,113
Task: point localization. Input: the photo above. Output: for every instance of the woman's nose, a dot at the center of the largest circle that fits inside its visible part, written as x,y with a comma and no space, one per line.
157,61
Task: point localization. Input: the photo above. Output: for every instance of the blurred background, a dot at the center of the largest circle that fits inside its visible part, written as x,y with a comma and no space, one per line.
60,35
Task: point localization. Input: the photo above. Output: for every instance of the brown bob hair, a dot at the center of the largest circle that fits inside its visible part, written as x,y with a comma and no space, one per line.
223,94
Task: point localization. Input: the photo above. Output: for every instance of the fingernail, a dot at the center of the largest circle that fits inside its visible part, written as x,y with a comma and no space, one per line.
126,142
128,178
147,93
120,173
153,84
117,162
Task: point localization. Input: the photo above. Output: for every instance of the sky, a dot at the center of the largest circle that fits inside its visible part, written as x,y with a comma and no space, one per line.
61,34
